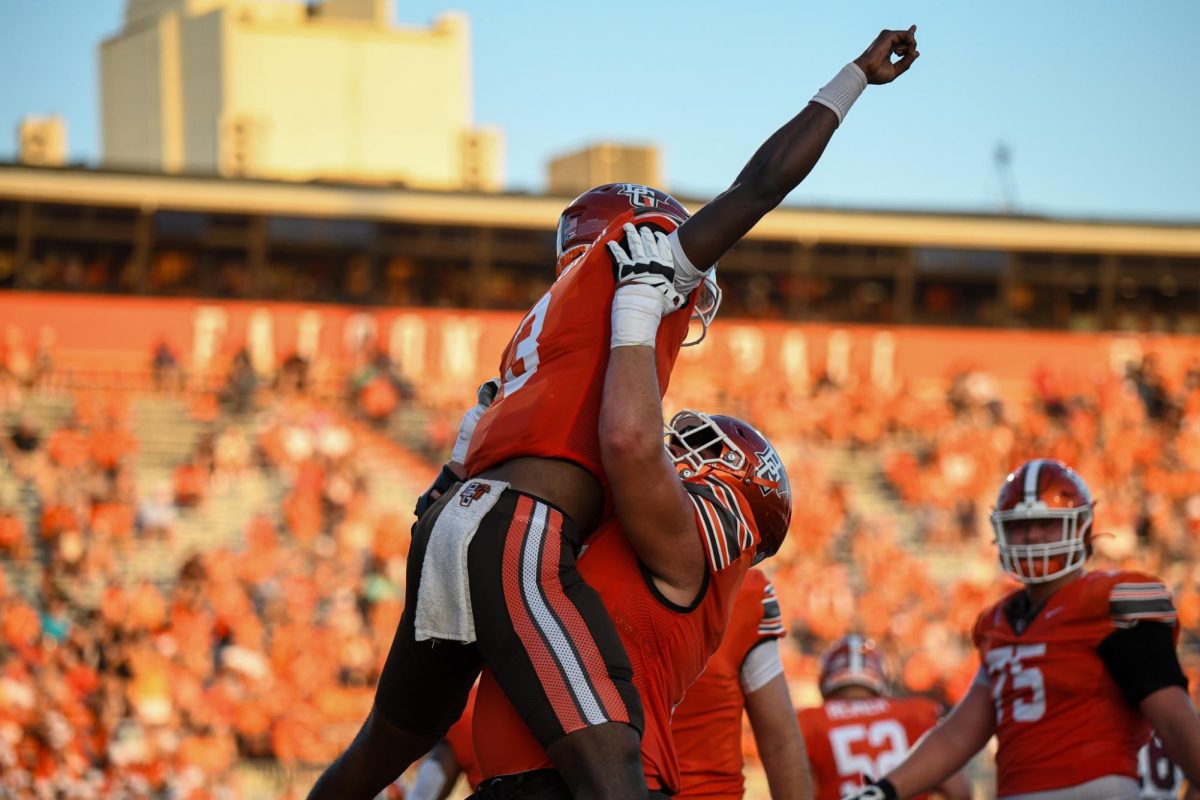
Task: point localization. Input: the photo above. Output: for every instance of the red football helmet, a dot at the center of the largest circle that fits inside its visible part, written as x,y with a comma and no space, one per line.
1044,489
598,214
604,209
852,661
701,445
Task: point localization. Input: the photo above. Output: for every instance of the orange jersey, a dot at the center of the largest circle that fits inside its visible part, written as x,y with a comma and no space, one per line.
708,723
847,739
1061,719
459,739
552,372
668,645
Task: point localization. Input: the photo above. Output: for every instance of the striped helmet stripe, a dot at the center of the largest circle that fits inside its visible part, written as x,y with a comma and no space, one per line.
854,641
1032,472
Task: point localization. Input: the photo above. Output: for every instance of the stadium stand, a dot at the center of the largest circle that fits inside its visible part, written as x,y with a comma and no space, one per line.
201,583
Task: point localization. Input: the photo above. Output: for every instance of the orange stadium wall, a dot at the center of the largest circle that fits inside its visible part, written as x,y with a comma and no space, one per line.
461,345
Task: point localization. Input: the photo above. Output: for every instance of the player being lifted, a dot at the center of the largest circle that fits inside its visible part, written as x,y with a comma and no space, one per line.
859,730
492,576
1076,666
690,520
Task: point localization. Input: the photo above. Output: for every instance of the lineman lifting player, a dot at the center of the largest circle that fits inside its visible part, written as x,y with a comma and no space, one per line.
492,574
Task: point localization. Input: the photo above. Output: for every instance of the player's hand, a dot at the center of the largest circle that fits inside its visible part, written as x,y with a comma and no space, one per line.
446,478
874,790
876,62
649,262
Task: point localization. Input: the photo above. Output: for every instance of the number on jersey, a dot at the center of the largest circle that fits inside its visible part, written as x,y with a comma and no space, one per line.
524,360
1009,664
867,749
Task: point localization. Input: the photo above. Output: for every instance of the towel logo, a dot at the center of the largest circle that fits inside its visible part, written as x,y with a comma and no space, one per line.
471,492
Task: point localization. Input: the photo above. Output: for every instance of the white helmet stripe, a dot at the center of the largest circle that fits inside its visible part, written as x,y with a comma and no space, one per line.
856,660
1031,479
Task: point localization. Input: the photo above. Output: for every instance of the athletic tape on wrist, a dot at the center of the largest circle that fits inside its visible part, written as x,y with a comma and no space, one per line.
636,311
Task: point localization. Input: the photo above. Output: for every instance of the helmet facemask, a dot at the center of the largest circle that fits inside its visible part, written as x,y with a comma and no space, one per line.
1043,562
696,446
708,302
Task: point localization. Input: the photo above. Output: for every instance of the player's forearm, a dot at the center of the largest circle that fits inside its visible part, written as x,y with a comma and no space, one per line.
630,412
956,787
947,748
780,742
1174,718
778,167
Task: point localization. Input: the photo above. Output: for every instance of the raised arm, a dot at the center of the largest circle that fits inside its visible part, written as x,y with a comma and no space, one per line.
656,515
786,158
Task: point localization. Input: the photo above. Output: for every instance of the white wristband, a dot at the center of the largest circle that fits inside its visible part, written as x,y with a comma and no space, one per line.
841,92
636,312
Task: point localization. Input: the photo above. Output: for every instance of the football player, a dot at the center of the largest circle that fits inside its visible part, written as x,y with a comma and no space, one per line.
860,731
1076,666
470,597
746,673
1158,776
691,519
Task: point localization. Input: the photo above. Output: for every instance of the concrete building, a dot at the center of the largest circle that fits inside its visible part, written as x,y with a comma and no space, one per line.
286,90
605,162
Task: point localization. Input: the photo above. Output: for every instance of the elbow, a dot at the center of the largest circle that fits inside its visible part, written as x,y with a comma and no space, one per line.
625,445
762,190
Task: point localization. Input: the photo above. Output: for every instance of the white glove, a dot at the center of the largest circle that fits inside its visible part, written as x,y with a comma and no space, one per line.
649,262
485,395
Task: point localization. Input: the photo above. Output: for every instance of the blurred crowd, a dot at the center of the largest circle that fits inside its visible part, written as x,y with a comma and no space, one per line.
268,648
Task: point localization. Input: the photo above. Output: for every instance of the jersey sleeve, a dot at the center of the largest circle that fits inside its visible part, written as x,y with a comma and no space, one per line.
1138,598
770,626
722,524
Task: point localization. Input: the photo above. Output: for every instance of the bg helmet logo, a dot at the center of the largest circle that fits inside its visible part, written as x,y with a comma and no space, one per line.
770,468
639,196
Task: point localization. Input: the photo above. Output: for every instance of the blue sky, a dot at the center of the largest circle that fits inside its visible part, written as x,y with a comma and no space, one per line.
1096,100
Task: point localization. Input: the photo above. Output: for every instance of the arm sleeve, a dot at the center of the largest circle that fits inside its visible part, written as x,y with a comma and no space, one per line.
1141,660
761,664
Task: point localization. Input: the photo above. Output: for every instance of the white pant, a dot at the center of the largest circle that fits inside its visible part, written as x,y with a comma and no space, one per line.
1110,787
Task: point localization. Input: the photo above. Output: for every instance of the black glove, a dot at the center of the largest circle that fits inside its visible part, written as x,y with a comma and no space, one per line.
881,789
441,484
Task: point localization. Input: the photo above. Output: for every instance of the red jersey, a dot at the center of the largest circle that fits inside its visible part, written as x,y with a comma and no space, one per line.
708,723
459,739
552,372
847,739
668,645
1061,719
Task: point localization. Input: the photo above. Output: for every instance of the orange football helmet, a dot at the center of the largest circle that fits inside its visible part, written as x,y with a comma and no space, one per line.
1043,489
852,661
703,445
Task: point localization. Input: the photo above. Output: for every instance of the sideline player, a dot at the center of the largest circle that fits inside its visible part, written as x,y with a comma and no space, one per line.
534,452
859,730
746,673
1160,778
1074,665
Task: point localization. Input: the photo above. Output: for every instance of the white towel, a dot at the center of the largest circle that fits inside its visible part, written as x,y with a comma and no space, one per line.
444,596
